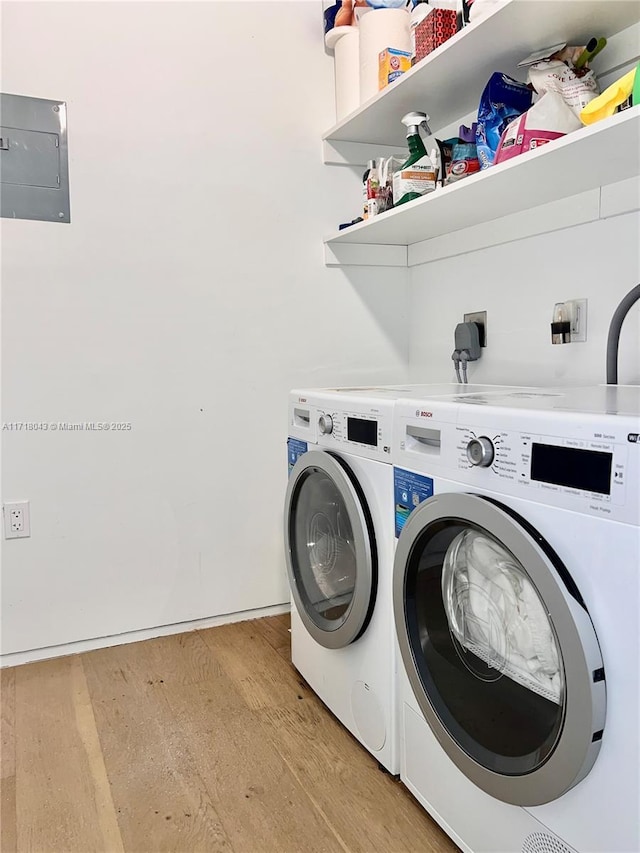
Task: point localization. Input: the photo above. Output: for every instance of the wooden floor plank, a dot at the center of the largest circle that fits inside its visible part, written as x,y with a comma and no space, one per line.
180,658
342,779
8,838
86,725
7,723
311,742
8,823
276,631
58,796
254,667
162,803
264,807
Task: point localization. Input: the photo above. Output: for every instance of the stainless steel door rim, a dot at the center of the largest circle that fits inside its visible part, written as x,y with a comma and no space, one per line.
317,466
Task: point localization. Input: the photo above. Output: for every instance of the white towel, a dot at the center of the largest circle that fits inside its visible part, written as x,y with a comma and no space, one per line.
494,610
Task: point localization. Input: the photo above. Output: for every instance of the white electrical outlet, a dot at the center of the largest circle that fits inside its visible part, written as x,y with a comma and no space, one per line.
577,309
17,520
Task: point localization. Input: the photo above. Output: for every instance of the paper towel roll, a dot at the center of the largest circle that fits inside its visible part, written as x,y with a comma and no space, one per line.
334,35
347,70
380,28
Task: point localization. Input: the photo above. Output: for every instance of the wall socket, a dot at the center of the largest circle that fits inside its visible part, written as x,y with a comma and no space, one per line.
480,319
17,520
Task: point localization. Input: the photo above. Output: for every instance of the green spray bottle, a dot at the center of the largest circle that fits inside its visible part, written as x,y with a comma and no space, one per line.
418,174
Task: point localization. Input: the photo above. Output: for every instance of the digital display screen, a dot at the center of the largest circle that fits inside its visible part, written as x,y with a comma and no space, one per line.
589,470
364,432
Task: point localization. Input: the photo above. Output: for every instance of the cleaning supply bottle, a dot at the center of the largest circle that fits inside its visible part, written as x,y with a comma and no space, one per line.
434,156
373,188
417,175
365,189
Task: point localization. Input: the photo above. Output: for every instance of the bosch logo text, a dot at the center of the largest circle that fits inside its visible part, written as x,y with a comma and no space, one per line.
420,414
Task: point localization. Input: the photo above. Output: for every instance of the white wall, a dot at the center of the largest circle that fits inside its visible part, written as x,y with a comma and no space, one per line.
518,283
186,297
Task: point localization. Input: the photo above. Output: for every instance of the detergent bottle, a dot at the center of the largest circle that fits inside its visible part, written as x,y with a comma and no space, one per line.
417,175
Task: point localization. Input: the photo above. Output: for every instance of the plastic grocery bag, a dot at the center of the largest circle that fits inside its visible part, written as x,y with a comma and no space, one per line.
576,88
548,119
503,100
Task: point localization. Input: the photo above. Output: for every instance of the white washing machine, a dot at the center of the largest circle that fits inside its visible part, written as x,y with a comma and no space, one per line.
339,546
516,602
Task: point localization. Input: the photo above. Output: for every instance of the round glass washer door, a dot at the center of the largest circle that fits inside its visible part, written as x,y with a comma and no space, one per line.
330,549
499,648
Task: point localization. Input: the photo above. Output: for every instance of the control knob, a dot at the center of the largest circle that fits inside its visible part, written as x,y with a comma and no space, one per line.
325,423
480,451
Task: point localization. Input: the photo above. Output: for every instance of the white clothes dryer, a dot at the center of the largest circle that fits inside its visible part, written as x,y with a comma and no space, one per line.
516,603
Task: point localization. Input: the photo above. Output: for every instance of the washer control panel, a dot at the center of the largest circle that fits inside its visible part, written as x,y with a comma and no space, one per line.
591,469
362,431
586,462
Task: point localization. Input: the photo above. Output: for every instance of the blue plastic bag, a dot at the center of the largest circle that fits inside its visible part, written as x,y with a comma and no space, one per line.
503,100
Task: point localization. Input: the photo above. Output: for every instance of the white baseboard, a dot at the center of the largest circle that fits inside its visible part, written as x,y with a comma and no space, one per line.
31,655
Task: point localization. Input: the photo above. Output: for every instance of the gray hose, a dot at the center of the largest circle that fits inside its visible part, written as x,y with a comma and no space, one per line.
613,338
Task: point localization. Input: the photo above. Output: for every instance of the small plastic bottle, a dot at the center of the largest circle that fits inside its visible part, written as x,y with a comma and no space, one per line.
365,188
373,186
434,156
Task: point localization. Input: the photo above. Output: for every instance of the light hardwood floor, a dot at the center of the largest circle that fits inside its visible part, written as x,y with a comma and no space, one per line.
206,741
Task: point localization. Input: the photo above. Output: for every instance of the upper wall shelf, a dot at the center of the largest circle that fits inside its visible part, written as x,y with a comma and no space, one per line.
448,83
604,153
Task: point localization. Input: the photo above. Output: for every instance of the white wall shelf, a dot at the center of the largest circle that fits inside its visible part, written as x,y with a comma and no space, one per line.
448,83
604,153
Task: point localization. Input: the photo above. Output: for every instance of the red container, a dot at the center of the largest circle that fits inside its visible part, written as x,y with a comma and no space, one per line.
436,28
